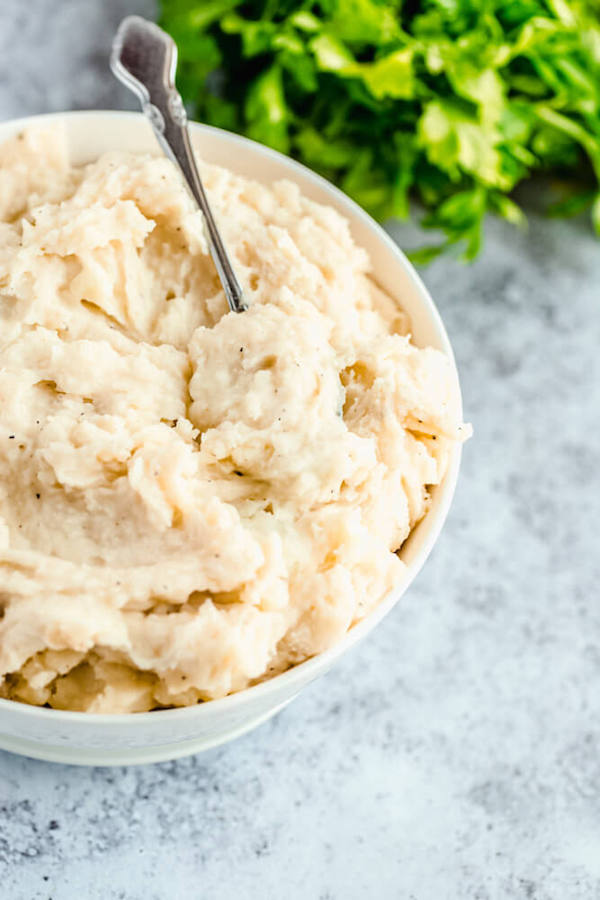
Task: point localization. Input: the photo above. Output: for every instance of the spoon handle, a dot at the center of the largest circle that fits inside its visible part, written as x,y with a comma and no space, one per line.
144,58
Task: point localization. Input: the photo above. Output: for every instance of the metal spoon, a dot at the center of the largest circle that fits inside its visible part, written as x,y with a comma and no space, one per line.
144,58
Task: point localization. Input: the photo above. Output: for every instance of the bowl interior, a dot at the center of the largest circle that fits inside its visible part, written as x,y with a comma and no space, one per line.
91,133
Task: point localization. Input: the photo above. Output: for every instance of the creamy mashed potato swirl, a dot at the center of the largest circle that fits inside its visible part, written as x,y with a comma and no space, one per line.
193,500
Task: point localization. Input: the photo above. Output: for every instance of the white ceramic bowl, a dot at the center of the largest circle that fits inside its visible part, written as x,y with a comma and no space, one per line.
86,738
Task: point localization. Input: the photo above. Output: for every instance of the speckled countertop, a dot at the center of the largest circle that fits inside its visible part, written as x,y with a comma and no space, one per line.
455,754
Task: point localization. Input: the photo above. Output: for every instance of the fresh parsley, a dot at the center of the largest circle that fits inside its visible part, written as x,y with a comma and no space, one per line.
452,102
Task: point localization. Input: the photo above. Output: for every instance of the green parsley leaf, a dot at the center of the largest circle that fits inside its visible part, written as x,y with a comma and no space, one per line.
450,102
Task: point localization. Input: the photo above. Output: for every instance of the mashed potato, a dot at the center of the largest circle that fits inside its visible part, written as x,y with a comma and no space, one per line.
193,500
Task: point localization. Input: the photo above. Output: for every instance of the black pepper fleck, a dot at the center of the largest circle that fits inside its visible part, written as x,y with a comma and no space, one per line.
37,496
11,437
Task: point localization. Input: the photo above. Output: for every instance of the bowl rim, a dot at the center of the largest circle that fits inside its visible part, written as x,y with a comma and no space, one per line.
305,671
